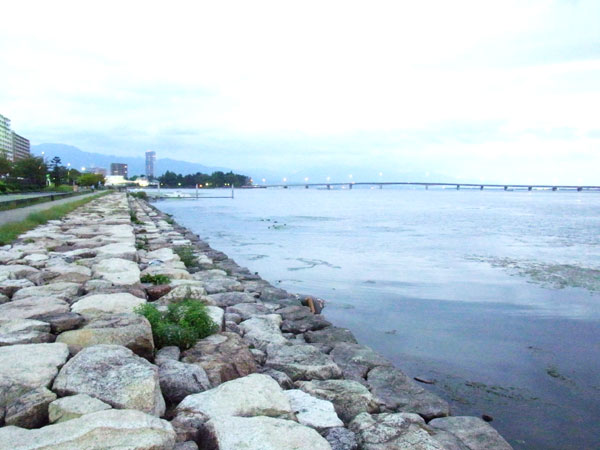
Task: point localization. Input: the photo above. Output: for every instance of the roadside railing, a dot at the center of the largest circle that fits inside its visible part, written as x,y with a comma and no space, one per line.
42,198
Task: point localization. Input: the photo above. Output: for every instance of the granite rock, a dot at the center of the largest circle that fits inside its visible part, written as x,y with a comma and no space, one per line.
115,375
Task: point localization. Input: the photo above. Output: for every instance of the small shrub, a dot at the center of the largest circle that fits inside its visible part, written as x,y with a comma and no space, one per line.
169,221
186,254
183,324
155,279
141,195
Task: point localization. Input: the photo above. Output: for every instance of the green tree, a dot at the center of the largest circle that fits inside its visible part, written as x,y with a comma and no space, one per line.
5,165
57,171
31,171
90,179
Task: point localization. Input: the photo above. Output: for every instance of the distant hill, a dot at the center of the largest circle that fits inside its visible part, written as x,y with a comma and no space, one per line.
136,165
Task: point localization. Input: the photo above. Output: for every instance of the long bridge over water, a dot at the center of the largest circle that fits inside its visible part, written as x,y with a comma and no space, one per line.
426,185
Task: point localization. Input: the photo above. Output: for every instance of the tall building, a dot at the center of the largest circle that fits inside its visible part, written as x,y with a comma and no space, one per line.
6,139
150,159
118,169
12,145
20,147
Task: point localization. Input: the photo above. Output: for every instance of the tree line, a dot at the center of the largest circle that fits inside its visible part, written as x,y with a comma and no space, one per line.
215,180
35,173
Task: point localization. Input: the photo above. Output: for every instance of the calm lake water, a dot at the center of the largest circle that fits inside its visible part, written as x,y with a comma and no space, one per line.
495,295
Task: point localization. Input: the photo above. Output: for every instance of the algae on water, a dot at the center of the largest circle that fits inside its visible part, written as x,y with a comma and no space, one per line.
557,276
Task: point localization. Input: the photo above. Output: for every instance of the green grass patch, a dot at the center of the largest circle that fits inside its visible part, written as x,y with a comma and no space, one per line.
183,324
10,231
156,279
186,254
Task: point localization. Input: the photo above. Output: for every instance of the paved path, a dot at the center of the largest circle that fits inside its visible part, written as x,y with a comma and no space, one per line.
16,215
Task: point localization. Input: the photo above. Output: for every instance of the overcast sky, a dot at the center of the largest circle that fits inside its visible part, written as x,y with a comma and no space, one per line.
478,89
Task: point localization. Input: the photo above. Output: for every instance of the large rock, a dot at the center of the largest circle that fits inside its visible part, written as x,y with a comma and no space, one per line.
62,321
254,395
27,367
17,271
107,303
126,429
330,336
178,380
129,330
31,409
261,433
217,315
248,310
282,378
118,250
115,375
392,432
356,360
261,331
299,319
171,272
341,439
226,299
60,271
313,412
349,398
24,331
9,287
73,407
395,391
472,432
302,362
221,284
170,353
65,291
33,307
162,254
186,292
224,356
118,271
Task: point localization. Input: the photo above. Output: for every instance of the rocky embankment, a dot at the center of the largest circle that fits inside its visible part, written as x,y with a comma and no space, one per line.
79,369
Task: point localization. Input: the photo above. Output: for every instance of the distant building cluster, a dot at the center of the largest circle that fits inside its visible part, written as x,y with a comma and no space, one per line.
98,170
12,146
150,159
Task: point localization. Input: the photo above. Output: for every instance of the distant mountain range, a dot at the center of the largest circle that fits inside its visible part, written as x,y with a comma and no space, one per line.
339,172
136,165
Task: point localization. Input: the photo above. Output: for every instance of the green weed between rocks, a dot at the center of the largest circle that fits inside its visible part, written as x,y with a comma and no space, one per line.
10,231
183,324
155,279
186,254
134,218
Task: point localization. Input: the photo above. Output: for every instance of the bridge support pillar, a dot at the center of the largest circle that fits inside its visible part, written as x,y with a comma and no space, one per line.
506,188
481,188
350,186
306,187
555,188
457,187
530,188
579,189
328,186
426,187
